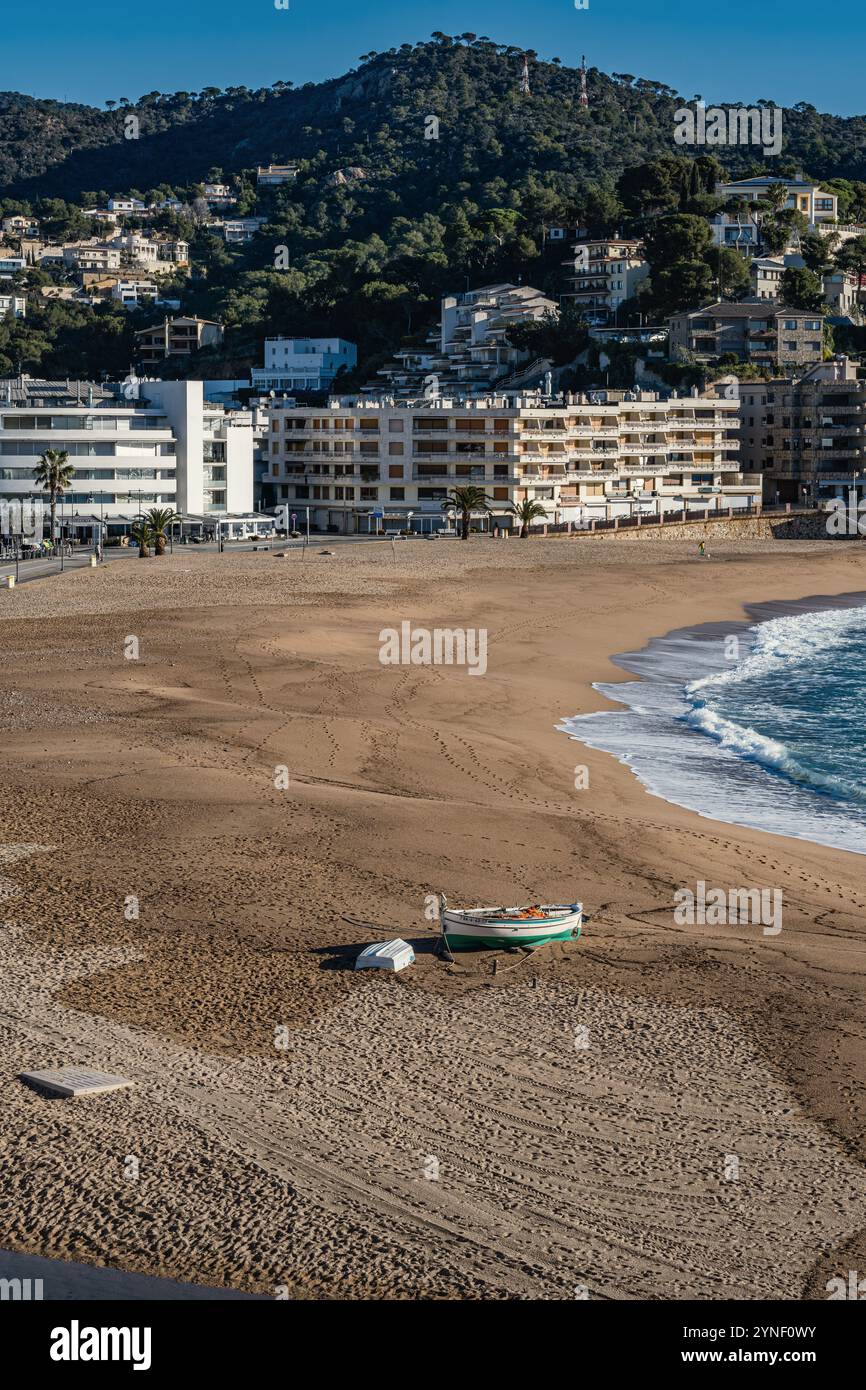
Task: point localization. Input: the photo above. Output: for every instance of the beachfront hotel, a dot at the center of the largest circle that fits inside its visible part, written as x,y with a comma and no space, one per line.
134,445
359,463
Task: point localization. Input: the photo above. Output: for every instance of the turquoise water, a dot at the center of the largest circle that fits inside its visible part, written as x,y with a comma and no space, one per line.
759,724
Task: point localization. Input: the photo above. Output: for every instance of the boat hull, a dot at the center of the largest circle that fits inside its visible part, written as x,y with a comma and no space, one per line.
461,933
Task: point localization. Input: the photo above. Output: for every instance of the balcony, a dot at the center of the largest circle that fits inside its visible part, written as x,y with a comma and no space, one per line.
544,434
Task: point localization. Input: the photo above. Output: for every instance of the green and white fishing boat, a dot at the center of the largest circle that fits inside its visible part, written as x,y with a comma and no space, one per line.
477,928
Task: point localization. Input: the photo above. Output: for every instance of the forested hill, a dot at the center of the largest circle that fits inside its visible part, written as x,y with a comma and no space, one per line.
373,118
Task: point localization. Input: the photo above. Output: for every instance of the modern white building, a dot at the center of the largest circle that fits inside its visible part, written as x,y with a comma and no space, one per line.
13,306
132,294
303,364
360,465
11,265
134,445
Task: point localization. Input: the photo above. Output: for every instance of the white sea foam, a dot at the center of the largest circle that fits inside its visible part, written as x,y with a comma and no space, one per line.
789,641
685,751
769,753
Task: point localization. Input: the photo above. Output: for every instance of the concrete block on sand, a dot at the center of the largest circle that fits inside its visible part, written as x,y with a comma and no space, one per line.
74,1081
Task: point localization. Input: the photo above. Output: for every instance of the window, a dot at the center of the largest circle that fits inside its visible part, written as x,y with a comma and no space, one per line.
813,325
395,448
395,470
789,324
397,494
395,426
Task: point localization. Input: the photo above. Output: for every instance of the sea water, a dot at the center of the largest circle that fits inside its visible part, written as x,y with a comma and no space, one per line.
758,724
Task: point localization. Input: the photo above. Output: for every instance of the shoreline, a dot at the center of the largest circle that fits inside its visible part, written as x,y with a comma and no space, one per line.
305,1167
653,708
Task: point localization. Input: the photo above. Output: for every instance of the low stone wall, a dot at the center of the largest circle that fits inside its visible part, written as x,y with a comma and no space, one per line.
797,526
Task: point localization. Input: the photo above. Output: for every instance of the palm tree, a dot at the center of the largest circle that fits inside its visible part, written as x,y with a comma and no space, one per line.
54,473
526,512
143,536
466,500
159,519
777,196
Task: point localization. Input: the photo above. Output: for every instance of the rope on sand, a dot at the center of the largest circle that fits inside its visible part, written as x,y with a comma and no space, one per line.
526,953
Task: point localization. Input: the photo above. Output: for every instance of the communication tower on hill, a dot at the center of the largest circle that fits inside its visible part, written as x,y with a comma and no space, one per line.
584,98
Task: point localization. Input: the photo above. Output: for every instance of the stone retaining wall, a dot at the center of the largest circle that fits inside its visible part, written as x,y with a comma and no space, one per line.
796,526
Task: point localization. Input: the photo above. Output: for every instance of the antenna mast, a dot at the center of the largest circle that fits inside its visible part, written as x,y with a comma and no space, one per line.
583,99
524,77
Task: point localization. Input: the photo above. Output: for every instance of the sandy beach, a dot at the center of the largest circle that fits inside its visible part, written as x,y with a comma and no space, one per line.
560,1128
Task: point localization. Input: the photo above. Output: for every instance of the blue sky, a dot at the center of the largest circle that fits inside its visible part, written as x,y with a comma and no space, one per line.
98,49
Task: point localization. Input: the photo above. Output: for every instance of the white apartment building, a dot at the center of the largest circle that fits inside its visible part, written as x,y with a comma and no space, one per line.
11,265
135,445
605,273
469,352
13,306
359,465
303,364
